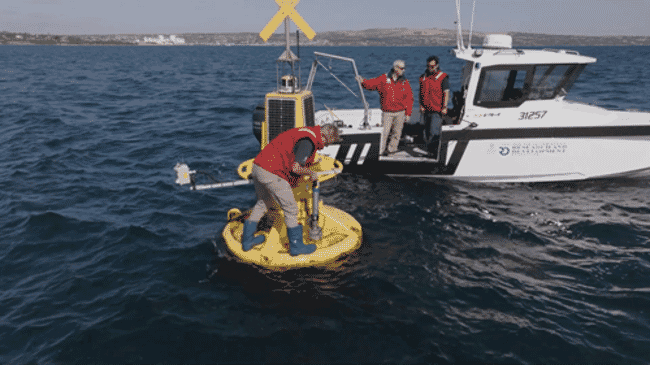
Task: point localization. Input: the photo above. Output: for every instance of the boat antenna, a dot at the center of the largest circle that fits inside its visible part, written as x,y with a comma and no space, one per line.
459,36
471,27
298,43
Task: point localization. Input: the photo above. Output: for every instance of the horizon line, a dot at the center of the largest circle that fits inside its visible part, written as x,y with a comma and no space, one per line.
474,32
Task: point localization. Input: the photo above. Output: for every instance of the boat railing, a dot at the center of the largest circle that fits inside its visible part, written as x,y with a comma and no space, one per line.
563,51
312,75
509,51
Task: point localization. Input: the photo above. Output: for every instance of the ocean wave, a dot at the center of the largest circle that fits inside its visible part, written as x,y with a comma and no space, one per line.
106,259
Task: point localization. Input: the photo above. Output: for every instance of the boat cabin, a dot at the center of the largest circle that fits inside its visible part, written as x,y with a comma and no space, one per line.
498,76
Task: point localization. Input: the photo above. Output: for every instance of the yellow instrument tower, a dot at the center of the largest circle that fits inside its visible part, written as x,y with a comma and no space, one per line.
334,232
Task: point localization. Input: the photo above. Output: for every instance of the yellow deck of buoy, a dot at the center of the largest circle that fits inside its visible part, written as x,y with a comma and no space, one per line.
341,232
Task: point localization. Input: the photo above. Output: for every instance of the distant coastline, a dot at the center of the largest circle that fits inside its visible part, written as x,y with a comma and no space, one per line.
369,37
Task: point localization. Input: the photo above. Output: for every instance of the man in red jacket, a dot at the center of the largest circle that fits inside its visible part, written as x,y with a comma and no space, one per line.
276,170
396,99
434,96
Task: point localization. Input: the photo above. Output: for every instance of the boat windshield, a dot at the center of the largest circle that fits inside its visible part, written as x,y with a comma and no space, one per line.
510,85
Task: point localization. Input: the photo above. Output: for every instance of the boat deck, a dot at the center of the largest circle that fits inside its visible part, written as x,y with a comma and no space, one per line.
409,152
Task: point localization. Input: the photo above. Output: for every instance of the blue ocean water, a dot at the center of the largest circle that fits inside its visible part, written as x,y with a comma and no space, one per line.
105,260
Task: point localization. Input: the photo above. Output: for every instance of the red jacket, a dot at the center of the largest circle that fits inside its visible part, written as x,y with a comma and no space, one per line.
278,156
431,92
393,96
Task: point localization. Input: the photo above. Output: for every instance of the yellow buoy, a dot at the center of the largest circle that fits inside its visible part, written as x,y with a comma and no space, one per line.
341,233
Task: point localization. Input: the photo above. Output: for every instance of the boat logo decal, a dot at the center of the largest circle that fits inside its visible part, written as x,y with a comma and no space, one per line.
353,155
528,149
364,153
487,115
348,156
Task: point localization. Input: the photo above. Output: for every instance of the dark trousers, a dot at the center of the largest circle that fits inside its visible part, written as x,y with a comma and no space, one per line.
432,129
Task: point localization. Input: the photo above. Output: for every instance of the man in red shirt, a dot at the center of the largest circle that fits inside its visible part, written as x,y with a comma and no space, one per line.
396,99
434,96
276,170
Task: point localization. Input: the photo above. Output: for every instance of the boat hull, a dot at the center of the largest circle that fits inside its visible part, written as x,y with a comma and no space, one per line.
508,155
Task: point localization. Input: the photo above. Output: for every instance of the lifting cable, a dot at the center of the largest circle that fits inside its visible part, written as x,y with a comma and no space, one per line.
337,79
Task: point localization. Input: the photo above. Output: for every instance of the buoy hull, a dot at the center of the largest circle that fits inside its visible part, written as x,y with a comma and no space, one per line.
341,235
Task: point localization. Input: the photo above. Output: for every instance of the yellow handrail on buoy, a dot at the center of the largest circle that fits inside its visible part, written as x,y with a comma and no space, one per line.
341,233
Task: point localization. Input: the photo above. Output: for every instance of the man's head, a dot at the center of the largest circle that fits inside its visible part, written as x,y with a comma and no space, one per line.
433,63
398,67
329,134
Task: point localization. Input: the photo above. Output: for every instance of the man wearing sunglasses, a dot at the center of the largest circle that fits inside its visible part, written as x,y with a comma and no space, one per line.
434,96
396,99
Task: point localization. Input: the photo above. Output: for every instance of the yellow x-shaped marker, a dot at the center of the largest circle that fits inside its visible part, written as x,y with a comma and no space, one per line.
287,9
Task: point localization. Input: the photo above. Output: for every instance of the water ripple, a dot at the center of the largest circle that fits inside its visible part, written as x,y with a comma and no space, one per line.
106,260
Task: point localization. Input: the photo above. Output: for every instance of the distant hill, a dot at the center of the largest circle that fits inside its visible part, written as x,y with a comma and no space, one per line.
368,37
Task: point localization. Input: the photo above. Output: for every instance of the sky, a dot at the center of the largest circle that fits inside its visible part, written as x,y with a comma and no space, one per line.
568,17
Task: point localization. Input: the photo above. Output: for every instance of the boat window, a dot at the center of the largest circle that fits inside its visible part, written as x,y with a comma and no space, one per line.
509,86
502,86
572,75
549,80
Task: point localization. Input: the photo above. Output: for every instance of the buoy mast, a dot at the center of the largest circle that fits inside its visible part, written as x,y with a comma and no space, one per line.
288,83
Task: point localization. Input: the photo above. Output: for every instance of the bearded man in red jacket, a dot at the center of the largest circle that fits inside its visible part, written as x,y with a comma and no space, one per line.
396,99
276,171
434,96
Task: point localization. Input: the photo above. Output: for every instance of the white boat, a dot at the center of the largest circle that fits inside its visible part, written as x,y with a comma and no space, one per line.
513,124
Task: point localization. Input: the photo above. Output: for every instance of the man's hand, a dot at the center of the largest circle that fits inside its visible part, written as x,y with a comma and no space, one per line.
407,118
301,170
445,99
